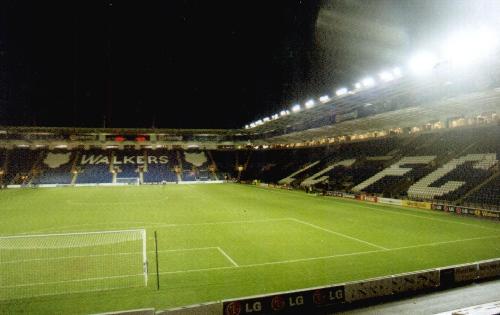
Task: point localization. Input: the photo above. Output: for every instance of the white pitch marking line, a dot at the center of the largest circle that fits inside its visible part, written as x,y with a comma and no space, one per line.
227,256
261,264
424,217
155,225
185,249
337,233
400,210
222,222
329,257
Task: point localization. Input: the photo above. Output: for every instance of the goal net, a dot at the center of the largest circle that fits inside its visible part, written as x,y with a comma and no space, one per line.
127,180
48,264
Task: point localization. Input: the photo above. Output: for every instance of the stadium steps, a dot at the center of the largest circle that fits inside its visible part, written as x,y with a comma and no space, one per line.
112,167
16,180
74,171
3,176
245,165
144,168
36,169
319,177
473,190
466,149
247,162
74,178
214,168
290,178
180,169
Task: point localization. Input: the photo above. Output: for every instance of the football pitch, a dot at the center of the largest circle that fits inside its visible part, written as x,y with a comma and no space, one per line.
215,242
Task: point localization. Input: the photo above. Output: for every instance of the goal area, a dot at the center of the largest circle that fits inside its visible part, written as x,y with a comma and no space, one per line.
49,264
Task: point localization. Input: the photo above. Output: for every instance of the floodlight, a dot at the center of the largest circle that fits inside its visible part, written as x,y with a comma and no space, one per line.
386,76
259,122
324,98
343,91
397,72
275,116
466,47
423,62
247,126
253,125
310,103
368,82
266,119
296,108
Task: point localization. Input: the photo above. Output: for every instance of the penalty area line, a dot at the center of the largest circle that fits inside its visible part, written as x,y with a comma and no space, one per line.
258,264
338,233
329,257
227,256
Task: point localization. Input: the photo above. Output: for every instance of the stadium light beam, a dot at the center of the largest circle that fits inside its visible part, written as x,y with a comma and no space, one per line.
324,99
397,72
386,76
341,91
422,63
368,82
296,108
466,47
310,104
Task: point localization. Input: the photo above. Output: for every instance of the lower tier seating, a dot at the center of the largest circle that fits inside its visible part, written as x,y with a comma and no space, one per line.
452,165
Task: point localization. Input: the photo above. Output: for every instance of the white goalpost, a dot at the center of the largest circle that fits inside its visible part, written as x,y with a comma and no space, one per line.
48,264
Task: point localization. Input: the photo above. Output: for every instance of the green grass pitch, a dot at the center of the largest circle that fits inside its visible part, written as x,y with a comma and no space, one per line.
218,242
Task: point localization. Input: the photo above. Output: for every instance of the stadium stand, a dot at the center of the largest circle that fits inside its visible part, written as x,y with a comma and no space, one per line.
488,194
94,167
459,166
56,168
195,164
454,178
160,166
123,167
20,165
408,168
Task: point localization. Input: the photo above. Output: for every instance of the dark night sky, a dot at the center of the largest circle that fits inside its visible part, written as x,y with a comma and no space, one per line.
196,64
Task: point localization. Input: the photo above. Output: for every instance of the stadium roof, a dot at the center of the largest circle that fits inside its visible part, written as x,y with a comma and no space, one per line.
404,118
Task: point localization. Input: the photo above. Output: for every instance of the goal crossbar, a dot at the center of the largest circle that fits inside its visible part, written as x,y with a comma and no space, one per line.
68,234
